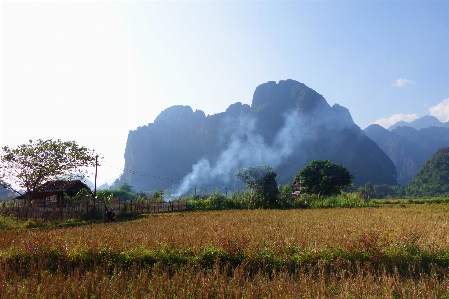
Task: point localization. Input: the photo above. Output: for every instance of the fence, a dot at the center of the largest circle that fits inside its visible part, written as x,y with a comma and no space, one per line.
88,210
146,207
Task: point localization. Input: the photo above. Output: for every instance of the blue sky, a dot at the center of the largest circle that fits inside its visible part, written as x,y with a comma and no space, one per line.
93,71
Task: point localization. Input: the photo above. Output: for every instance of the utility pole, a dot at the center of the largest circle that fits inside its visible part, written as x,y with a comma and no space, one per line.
95,182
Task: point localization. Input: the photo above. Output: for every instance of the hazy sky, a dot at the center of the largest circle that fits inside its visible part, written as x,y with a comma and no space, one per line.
93,71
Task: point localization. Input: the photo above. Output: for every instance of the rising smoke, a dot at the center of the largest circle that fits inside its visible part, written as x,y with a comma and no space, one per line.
246,148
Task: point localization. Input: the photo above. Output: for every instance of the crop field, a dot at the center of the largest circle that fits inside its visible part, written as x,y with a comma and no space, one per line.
385,252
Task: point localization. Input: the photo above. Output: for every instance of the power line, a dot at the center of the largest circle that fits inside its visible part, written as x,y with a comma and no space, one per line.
138,173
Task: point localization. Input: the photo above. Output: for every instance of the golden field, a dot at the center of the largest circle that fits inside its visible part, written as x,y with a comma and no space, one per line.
387,252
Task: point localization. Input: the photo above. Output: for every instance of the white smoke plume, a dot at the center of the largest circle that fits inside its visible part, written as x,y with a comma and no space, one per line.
246,148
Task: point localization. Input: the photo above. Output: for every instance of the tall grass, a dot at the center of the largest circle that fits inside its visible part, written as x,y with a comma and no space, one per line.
190,282
339,253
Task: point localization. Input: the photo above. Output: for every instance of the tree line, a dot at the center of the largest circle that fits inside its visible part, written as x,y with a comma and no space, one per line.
29,165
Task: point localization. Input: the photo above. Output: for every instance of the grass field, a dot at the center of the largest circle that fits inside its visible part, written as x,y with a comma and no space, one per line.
385,252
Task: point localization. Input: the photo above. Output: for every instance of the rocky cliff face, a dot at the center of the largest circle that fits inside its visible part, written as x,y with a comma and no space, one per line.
409,148
286,126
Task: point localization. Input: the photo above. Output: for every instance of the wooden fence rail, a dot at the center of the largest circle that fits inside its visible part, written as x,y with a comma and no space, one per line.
86,210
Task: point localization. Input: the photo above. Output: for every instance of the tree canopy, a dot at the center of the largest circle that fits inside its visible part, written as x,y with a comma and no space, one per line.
30,165
322,177
262,180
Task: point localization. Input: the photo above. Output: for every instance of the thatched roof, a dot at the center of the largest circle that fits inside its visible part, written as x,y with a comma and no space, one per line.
53,187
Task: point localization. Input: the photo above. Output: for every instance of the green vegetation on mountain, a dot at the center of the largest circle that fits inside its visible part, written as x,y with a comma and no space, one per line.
409,148
433,177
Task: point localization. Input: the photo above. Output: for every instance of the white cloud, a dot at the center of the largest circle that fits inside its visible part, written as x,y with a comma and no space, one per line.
403,82
387,122
441,110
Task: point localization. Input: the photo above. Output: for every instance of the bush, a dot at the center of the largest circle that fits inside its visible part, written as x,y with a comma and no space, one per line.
217,201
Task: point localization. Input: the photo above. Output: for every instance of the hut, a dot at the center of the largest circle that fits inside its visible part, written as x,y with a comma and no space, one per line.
53,193
296,189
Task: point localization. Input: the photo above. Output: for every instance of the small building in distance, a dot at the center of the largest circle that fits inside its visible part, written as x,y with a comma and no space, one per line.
53,193
296,189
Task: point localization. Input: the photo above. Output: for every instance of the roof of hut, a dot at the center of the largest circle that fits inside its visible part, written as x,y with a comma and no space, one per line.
71,187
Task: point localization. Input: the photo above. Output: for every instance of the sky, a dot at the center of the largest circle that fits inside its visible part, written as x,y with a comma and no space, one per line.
91,71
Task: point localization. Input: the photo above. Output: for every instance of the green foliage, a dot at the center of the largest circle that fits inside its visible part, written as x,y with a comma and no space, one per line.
30,165
408,148
433,177
83,194
121,194
323,178
285,190
127,187
262,181
249,200
9,223
158,196
217,200
382,191
405,259
345,200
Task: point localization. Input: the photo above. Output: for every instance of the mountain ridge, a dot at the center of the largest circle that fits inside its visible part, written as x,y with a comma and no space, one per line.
420,123
286,126
408,147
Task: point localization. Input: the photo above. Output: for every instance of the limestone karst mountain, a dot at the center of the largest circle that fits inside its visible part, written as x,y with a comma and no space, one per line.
420,123
287,125
407,147
432,178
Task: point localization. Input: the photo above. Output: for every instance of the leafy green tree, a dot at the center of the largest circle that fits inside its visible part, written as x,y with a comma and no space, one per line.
323,178
30,165
127,187
262,181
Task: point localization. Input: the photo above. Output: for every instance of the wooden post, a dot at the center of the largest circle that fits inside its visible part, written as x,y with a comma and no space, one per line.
95,182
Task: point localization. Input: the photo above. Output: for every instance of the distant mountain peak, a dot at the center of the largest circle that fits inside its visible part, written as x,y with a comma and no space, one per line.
420,123
409,147
287,125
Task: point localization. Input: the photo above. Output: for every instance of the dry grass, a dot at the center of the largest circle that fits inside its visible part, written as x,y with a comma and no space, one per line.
306,229
349,230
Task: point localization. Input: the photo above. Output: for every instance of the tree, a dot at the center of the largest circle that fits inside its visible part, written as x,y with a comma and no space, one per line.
322,177
262,180
30,165
127,187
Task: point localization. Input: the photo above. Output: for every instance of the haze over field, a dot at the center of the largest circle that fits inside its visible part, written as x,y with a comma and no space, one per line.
93,71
